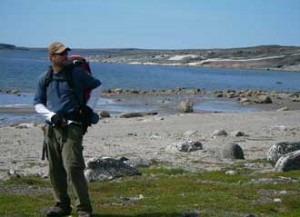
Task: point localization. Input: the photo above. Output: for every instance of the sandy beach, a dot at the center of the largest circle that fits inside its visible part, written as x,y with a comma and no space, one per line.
148,139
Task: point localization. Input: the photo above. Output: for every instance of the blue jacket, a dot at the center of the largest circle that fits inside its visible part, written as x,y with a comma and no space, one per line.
59,97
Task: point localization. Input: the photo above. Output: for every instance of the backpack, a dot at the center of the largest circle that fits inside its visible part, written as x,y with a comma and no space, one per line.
75,61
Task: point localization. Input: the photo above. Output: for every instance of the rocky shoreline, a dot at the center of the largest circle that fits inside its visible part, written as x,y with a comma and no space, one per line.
272,57
263,100
155,138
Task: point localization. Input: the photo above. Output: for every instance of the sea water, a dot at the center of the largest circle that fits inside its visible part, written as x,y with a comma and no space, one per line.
20,69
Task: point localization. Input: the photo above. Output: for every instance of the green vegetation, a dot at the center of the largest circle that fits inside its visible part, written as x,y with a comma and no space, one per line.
169,192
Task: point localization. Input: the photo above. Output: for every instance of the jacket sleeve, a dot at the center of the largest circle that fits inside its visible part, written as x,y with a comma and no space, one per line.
40,99
44,111
86,80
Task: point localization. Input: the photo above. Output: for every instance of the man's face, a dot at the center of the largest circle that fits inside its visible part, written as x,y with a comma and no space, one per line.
60,59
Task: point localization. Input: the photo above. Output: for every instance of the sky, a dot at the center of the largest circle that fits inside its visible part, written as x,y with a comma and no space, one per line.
150,24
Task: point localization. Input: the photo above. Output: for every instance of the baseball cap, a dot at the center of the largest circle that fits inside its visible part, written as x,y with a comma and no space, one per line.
56,48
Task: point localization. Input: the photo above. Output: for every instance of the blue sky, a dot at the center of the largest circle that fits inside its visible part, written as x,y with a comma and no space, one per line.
154,24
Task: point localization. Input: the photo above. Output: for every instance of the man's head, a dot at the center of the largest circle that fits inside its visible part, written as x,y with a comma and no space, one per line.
57,48
58,54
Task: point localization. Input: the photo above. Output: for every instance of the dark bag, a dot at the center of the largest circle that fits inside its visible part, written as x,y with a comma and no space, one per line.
85,116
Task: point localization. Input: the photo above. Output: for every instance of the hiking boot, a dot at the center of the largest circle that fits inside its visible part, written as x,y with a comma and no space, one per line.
58,212
84,214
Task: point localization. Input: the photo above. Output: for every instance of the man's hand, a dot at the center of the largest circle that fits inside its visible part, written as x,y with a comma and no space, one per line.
58,121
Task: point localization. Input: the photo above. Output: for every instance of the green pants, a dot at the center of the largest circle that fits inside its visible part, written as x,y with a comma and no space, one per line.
66,166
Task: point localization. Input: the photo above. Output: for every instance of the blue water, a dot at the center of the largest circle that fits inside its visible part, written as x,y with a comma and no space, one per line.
20,70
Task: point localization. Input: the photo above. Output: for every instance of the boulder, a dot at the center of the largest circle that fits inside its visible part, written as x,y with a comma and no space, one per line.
193,213
98,169
104,114
281,148
136,162
137,114
118,90
186,146
186,106
237,133
296,99
287,162
218,133
131,115
263,100
244,100
285,108
232,151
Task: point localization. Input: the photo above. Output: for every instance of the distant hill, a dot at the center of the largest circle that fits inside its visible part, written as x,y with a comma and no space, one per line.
266,57
4,46
7,46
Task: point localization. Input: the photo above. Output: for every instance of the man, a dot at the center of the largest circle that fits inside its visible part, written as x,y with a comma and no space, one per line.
59,104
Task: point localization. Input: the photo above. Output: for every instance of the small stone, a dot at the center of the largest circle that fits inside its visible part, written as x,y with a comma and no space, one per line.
218,133
237,133
282,109
231,172
194,213
186,106
277,200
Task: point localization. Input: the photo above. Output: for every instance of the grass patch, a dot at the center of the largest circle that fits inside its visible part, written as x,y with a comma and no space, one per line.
173,192
27,181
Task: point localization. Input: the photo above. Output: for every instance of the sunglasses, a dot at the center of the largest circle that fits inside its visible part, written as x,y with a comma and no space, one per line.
62,54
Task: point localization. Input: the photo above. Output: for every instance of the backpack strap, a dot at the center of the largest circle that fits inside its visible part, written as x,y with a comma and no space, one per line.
67,75
49,76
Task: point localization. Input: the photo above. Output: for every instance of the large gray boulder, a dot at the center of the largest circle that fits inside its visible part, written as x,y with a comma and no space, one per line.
287,162
99,169
279,149
232,151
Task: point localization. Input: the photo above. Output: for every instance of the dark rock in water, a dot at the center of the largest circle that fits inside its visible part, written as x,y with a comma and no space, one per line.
287,162
218,94
98,169
131,115
135,91
13,91
232,151
136,114
104,114
151,113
